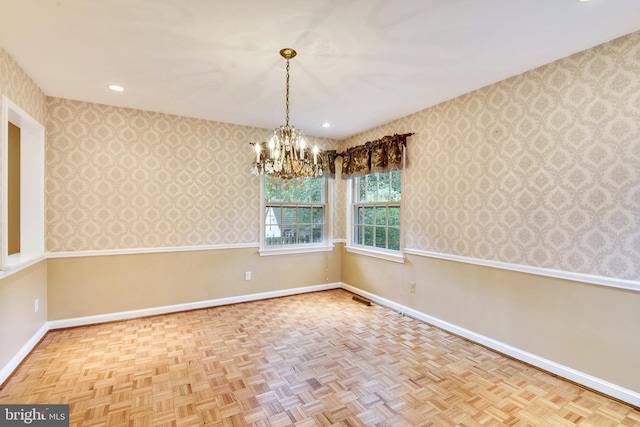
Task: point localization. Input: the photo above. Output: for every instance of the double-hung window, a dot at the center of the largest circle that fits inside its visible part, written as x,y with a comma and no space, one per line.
295,214
375,214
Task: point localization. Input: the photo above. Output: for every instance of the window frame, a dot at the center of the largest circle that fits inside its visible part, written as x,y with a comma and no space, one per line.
32,188
324,246
372,251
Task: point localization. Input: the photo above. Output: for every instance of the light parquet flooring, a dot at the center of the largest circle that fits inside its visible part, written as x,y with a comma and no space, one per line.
315,359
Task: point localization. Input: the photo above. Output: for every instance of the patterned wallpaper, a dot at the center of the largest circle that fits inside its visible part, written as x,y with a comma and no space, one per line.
542,169
122,178
20,88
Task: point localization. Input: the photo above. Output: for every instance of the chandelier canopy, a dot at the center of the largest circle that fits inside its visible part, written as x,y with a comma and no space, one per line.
286,154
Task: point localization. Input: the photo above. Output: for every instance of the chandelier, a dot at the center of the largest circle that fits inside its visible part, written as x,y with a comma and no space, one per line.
284,155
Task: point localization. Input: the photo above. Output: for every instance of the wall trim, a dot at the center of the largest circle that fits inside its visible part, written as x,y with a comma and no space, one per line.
629,396
296,249
132,314
631,285
380,254
17,359
133,251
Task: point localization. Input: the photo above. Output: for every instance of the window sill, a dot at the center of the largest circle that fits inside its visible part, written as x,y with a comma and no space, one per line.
17,262
280,250
389,256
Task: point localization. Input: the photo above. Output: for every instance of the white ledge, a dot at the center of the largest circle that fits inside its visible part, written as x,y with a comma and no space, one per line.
283,250
389,256
20,262
163,249
540,271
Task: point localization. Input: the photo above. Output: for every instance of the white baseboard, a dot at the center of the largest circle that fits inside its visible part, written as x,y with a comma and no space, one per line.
8,369
123,315
571,374
586,380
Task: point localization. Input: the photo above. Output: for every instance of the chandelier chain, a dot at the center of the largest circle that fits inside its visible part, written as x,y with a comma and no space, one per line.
287,96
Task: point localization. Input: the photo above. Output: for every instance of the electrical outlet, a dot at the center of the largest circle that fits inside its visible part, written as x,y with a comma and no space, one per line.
247,275
36,305
412,287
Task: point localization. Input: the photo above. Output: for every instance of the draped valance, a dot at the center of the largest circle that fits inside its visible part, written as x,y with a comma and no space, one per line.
382,155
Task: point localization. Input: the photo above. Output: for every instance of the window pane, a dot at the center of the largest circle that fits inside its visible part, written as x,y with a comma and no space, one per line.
394,216
317,233
368,235
288,235
394,238
302,189
304,215
317,215
381,237
316,190
357,235
272,241
395,190
368,214
383,188
304,233
372,188
362,190
358,215
289,215
381,215
271,189
272,215
288,192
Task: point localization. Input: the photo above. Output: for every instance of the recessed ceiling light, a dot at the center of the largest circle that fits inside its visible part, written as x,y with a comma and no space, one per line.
116,88
584,1
325,124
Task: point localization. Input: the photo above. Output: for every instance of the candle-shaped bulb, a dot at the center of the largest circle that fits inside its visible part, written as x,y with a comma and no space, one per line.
301,148
272,144
315,154
257,152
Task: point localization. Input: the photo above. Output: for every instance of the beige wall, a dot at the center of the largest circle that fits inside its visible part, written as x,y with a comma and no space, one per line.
18,320
85,286
590,328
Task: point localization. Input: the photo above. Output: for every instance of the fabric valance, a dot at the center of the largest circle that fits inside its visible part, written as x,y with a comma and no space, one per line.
382,155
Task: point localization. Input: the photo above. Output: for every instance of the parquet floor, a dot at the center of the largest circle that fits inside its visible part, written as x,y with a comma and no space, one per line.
316,359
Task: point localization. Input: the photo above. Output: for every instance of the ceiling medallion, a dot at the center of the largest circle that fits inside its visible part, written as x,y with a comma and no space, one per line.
284,155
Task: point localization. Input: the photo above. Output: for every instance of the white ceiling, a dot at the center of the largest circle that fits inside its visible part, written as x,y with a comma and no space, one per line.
360,63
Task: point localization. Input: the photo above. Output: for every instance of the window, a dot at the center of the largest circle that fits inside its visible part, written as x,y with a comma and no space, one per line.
295,213
375,212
